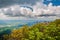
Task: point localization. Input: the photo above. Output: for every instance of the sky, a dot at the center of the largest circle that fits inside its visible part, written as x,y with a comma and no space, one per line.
29,9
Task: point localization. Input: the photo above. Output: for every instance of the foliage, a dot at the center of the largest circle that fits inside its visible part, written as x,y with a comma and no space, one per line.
39,31
57,21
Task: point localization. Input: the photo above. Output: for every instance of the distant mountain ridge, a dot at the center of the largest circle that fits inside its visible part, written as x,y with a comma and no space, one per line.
20,21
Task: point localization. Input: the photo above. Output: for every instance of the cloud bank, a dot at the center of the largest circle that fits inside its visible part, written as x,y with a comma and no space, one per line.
40,10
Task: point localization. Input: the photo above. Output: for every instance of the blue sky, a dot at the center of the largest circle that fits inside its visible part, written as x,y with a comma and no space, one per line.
54,2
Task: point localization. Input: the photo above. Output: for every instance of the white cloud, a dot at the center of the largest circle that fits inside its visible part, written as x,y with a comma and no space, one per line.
41,8
16,12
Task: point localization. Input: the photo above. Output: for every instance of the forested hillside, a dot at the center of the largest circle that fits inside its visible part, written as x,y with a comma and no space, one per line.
39,31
